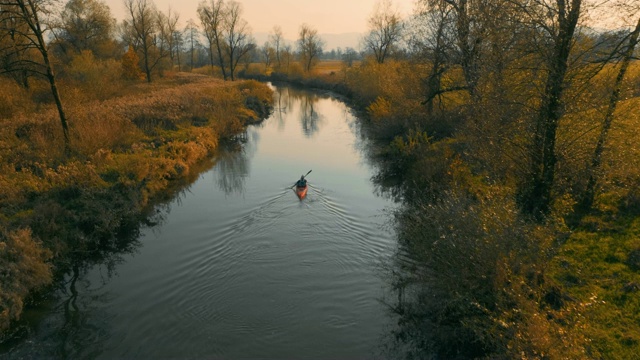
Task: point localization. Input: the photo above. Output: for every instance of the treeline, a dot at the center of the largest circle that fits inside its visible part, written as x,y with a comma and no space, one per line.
509,129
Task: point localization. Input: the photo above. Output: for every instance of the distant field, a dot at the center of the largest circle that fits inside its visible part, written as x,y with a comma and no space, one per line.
328,66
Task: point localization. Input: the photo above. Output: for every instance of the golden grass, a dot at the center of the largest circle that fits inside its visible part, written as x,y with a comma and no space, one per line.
328,66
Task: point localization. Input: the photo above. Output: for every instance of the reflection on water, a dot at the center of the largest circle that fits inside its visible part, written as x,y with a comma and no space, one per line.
287,98
310,117
234,265
233,166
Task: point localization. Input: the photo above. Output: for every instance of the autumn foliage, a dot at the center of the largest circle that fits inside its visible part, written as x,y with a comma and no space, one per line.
130,68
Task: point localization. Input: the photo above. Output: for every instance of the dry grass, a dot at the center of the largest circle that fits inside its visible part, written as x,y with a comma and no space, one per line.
326,67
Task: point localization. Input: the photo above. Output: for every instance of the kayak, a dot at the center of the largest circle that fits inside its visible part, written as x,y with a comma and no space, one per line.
301,191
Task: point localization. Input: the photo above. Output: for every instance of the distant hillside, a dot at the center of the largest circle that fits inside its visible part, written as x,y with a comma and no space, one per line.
332,41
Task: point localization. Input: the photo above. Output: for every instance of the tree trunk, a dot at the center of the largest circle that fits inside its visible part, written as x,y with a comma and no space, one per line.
469,61
536,196
221,58
31,16
589,193
145,53
232,67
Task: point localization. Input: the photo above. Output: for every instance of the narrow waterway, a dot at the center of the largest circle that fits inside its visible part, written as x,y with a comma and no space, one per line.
239,267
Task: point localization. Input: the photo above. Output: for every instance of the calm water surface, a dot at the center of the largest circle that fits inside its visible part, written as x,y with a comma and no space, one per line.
239,267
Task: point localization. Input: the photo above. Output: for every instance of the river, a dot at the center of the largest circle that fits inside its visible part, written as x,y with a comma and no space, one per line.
239,267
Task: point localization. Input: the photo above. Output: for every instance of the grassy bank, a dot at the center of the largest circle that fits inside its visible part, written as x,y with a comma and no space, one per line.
126,148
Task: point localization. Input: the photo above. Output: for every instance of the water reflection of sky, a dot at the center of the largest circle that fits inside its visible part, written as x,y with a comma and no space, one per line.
326,143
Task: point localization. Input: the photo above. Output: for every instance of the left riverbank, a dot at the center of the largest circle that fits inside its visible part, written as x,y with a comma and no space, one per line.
59,207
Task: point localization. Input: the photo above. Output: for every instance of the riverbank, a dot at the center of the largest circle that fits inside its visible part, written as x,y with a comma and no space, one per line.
60,209
486,280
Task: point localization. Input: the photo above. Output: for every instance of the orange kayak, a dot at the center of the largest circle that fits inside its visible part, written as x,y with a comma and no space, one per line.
301,191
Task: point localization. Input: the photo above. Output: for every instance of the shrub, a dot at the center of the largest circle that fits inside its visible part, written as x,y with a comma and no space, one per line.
89,78
469,277
130,68
23,268
14,100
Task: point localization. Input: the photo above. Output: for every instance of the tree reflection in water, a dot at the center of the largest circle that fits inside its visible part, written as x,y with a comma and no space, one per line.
283,103
309,118
64,318
232,163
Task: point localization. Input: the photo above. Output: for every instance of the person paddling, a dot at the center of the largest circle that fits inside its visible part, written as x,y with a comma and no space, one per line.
302,182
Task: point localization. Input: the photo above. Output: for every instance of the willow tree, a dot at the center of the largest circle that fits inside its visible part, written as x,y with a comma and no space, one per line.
22,29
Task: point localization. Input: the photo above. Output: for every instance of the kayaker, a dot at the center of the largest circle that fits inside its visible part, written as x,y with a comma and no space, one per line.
302,182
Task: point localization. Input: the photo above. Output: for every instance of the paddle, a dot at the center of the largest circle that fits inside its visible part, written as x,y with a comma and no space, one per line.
304,176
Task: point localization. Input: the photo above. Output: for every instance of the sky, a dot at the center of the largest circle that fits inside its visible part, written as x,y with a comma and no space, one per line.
327,16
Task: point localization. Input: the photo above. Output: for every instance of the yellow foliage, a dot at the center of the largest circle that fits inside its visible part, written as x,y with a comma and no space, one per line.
14,100
130,68
23,267
296,71
379,109
256,69
90,78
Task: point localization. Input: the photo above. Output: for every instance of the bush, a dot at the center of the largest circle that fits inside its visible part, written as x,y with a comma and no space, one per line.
469,277
23,268
89,78
14,100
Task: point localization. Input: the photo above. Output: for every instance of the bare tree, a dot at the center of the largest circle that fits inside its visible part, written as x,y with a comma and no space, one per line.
469,31
178,44
18,57
286,57
212,18
431,38
143,27
596,160
268,54
237,36
191,32
310,46
167,25
385,30
276,39
349,56
20,19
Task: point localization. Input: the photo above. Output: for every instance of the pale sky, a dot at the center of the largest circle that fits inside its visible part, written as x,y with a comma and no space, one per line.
327,16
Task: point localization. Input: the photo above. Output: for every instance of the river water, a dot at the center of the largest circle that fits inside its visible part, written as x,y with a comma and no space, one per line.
239,267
